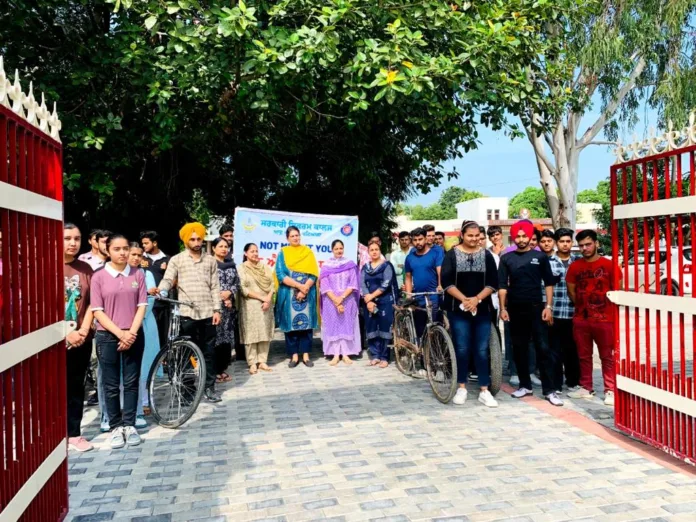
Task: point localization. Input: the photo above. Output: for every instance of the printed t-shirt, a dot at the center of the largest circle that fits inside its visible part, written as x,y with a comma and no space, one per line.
77,277
592,282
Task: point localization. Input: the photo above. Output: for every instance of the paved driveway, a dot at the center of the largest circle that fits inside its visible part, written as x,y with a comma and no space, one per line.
360,443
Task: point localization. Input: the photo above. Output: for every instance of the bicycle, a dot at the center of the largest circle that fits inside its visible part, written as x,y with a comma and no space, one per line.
176,381
435,346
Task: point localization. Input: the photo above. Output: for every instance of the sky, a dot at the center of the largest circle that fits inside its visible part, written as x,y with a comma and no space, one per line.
504,167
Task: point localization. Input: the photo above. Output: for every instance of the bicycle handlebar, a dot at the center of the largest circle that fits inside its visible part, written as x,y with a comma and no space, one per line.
174,301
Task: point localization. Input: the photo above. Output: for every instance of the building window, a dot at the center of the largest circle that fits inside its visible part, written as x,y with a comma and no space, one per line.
489,214
496,215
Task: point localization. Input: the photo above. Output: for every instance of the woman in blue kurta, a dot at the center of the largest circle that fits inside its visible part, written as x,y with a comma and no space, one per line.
296,305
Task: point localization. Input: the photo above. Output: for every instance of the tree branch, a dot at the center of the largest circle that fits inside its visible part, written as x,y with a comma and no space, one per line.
536,142
611,108
600,142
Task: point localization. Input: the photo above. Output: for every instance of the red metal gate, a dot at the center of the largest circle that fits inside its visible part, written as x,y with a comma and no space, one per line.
33,448
653,205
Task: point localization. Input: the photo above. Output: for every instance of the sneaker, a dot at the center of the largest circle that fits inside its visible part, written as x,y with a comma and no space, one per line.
140,422
79,444
460,396
118,439
487,399
421,374
521,392
559,392
104,427
212,396
554,399
535,380
132,437
573,388
581,393
514,380
609,398
439,376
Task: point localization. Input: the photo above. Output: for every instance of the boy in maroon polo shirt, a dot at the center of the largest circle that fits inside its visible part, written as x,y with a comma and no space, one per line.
588,280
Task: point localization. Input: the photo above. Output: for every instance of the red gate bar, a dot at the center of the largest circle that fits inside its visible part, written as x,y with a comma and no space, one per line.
653,197
33,446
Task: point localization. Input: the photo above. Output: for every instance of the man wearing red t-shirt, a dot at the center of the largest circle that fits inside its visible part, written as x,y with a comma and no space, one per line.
588,280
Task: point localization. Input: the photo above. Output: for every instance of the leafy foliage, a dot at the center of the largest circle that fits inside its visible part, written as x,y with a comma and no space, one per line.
531,198
340,106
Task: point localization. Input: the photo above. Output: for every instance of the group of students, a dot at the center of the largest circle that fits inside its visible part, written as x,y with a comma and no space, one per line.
550,301
554,305
110,295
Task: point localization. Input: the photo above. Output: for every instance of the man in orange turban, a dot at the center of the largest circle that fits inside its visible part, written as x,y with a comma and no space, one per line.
191,228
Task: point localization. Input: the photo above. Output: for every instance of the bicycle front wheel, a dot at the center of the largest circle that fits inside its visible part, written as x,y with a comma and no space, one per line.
176,383
440,363
496,360
404,341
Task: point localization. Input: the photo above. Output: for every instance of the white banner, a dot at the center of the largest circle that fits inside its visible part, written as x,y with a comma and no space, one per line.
266,229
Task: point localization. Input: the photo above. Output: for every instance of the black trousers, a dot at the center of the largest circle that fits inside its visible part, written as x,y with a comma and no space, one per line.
113,364
162,314
77,362
564,353
223,356
525,325
202,332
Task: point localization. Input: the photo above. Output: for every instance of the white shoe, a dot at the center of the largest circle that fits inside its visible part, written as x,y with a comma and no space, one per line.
421,374
553,399
573,389
460,397
514,380
535,380
118,439
609,398
132,437
140,422
521,392
581,393
439,376
487,399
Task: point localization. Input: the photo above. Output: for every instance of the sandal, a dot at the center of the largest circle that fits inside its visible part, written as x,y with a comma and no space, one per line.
374,362
264,367
383,364
253,370
225,377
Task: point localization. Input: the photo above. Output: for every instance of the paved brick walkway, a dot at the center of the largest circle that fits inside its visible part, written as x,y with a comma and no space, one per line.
360,443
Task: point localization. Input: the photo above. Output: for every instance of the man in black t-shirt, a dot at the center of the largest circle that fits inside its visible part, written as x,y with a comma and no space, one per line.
520,276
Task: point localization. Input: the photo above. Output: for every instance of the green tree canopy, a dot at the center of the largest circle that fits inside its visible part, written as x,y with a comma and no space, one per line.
531,198
336,107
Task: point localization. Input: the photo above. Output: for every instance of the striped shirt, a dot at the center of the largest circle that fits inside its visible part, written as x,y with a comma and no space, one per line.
197,282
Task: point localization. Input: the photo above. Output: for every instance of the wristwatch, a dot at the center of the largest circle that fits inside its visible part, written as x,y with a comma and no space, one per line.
549,307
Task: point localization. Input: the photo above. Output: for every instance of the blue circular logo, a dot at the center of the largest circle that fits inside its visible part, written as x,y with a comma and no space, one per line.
298,305
347,229
300,322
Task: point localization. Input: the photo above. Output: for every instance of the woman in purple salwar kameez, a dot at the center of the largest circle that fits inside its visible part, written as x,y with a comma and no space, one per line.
340,295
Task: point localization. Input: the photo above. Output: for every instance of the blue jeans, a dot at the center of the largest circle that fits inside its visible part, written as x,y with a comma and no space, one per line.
471,334
113,363
379,349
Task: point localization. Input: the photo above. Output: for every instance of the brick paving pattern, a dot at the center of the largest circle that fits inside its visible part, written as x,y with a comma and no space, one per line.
361,443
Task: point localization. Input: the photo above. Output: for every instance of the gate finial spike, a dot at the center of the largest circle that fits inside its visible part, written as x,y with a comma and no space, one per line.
54,123
16,95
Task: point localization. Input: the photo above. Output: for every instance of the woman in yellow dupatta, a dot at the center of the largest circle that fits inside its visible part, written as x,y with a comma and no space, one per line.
296,307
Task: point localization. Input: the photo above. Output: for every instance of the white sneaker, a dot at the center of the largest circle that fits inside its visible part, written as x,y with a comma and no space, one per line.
514,380
487,399
132,437
439,376
581,393
535,380
521,392
609,398
553,399
460,397
573,388
421,374
118,439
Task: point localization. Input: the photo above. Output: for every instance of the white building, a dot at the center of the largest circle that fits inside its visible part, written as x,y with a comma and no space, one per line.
482,210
